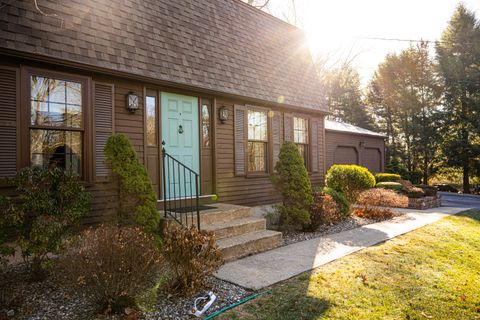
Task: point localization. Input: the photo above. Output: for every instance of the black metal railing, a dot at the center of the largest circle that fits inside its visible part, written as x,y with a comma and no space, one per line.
180,192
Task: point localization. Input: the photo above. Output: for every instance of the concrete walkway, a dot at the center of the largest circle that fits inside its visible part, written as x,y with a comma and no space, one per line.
265,269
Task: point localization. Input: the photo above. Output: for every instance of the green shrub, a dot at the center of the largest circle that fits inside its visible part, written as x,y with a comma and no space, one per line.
136,198
387,177
349,179
193,256
112,264
414,177
51,202
292,181
9,218
342,203
324,211
389,185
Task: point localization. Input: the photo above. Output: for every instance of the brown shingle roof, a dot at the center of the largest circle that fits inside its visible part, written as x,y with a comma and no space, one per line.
221,45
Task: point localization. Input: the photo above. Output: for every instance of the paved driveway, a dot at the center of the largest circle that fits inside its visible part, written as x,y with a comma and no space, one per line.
460,200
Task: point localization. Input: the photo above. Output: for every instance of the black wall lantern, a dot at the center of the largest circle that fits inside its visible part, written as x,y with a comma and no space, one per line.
223,114
132,102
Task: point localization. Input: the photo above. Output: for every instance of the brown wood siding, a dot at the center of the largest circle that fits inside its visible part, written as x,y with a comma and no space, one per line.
337,142
248,190
243,190
8,120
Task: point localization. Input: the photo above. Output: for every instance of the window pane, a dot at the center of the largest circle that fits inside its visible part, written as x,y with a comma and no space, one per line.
257,157
303,151
206,125
56,148
300,130
151,121
55,102
74,93
257,125
57,91
39,88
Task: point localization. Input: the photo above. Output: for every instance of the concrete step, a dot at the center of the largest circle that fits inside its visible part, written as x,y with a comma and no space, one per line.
236,227
249,243
223,213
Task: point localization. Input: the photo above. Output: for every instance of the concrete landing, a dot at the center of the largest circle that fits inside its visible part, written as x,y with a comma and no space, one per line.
267,268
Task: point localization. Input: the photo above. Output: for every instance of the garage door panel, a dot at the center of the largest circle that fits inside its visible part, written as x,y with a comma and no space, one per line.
372,159
345,155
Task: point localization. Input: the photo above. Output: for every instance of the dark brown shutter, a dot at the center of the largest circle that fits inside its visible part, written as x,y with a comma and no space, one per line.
276,136
103,107
288,126
8,121
314,127
240,137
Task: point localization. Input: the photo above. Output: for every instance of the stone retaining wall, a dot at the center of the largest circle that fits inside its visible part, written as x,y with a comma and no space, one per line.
425,202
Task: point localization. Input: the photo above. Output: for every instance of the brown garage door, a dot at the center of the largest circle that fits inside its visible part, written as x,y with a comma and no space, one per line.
372,159
345,155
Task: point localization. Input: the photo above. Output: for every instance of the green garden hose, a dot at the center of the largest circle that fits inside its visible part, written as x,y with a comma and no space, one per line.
236,304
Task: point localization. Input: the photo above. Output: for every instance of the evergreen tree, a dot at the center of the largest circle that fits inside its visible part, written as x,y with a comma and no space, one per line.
458,55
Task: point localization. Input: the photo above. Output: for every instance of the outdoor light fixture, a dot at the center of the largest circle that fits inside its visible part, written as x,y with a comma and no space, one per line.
223,114
362,144
132,102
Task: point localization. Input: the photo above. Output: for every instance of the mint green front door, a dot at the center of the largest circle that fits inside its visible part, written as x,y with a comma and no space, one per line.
180,132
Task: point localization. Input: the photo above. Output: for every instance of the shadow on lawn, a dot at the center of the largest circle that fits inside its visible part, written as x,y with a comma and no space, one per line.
300,297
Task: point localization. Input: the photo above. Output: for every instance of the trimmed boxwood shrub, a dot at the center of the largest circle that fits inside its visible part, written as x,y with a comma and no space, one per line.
342,203
349,179
292,180
136,199
387,177
390,185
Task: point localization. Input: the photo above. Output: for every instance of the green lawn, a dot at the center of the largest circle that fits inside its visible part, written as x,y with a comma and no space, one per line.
431,273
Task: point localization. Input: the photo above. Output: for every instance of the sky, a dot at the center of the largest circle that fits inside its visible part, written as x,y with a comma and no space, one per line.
337,28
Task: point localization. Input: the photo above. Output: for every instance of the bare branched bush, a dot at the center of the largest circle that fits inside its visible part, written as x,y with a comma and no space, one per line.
113,264
192,256
324,211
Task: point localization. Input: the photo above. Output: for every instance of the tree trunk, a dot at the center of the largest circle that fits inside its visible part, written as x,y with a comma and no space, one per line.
466,182
425,168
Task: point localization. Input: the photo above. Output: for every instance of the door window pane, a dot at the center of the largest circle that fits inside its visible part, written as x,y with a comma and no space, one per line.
206,126
151,121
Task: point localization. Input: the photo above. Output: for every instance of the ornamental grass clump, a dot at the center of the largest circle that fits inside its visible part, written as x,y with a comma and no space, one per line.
292,181
192,256
350,180
112,264
374,204
50,204
137,202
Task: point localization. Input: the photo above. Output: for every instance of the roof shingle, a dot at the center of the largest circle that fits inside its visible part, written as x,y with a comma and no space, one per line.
220,45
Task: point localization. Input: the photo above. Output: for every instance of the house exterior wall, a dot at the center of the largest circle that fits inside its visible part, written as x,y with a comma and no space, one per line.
243,190
349,148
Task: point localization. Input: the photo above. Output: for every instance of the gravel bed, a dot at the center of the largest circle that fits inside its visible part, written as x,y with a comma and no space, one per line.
23,299
347,224
177,308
